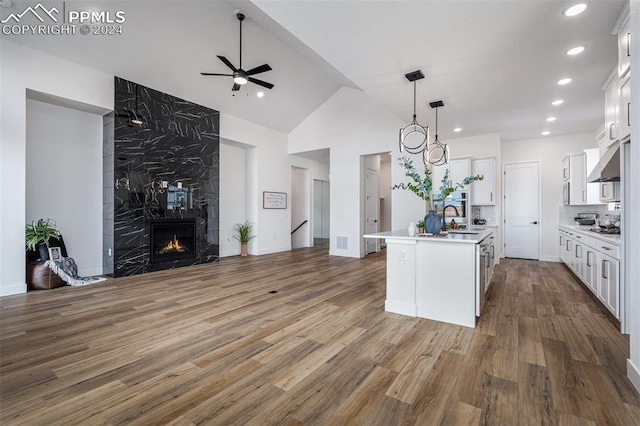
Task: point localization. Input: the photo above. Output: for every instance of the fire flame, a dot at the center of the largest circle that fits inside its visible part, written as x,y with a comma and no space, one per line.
173,246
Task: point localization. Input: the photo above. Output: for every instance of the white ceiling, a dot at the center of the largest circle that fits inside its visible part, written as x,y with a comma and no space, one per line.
493,63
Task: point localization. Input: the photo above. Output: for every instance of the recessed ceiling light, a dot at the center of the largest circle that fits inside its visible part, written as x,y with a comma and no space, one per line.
551,119
575,51
564,81
457,129
557,102
575,9
260,94
546,133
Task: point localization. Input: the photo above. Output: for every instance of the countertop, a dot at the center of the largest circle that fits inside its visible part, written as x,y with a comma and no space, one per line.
609,238
473,236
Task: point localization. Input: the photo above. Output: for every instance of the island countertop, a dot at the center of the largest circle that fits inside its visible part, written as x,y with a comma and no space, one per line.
472,236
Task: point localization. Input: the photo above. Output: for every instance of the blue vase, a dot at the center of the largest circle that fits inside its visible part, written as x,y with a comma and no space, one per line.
432,223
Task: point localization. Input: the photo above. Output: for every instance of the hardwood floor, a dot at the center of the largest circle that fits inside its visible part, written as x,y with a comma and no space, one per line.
212,345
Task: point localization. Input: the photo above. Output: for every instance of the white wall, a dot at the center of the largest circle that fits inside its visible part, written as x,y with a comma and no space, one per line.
64,178
633,367
21,69
351,124
385,192
268,168
232,196
549,151
301,191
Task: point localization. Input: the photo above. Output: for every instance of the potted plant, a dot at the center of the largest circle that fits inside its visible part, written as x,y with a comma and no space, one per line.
38,235
244,234
420,226
423,186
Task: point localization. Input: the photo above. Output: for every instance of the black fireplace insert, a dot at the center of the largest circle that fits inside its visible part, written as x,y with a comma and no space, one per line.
172,240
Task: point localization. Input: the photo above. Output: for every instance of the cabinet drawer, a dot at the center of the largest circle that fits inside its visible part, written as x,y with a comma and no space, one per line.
608,249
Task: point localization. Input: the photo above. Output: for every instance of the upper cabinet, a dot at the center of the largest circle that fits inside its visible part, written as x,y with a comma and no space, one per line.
579,166
459,168
566,164
625,108
611,109
483,192
624,45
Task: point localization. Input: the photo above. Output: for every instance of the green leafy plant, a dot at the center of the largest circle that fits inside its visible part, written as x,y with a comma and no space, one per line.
244,232
40,231
420,224
423,186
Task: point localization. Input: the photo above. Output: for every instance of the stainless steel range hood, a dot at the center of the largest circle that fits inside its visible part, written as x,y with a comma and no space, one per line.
608,168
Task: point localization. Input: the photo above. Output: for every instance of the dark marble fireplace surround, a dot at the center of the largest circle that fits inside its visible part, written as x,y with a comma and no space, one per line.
163,171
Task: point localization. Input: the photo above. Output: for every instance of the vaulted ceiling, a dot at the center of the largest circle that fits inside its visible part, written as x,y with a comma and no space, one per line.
494,63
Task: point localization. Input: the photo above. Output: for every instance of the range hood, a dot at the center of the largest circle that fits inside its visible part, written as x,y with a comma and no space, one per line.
608,168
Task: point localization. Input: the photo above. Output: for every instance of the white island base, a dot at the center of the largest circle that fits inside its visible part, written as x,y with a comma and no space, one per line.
434,277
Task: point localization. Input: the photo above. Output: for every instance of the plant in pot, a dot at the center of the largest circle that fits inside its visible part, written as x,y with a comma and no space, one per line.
420,226
244,234
423,187
39,236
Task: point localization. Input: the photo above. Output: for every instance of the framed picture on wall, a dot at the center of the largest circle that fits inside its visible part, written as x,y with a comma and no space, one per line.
55,253
274,200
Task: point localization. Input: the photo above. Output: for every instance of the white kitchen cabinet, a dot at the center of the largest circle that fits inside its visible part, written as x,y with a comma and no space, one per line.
580,165
591,259
459,168
609,288
612,109
610,192
624,47
625,108
483,192
566,164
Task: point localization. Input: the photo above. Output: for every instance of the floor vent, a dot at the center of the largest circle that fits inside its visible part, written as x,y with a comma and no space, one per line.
341,243
273,291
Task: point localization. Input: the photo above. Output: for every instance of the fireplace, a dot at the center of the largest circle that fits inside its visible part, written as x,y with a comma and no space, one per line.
172,240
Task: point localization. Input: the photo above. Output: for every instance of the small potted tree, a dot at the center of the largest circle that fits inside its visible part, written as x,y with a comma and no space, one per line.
244,234
38,236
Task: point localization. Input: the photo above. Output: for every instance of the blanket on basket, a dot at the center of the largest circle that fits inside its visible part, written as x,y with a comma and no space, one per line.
67,269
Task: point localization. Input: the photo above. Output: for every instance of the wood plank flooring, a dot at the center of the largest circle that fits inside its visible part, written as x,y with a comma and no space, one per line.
211,345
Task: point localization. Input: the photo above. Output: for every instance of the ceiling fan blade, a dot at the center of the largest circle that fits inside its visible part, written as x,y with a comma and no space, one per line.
258,70
235,87
227,63
212,73
261,83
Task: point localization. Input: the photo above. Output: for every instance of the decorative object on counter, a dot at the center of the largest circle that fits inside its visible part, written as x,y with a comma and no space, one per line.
479,221
432,223
420,226
423,186
586,218
244,234
411,230
438,152
414,138
454,225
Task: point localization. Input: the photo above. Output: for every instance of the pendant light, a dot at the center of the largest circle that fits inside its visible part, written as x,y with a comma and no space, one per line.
438,152
414,138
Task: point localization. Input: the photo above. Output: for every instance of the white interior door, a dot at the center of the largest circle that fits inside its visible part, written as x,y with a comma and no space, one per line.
372,191
521,201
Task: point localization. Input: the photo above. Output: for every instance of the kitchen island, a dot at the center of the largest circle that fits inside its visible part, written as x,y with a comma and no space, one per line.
435,277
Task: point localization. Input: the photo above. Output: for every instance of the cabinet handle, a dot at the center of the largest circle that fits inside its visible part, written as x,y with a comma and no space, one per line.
605,248
493,252
602,188
605,267
561,242
628,113
577,257
589,259
491,196
629,44
584,195
613,126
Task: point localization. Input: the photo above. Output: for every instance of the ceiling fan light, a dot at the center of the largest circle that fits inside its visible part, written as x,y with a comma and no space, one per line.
239,79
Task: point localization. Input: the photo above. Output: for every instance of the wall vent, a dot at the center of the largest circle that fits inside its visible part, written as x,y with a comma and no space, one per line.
341,243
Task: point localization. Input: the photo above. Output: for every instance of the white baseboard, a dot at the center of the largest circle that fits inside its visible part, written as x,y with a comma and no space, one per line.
634,375
550,259
90,272
344,253
9,290
229,253
273,250
401,308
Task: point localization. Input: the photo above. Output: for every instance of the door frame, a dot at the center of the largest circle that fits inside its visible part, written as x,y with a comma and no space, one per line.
376,209
504,205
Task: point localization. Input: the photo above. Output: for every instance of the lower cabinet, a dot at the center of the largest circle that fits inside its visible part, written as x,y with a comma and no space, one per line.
599,271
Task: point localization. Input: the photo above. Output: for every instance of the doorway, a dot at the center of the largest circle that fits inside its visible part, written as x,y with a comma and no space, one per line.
321,192
521,210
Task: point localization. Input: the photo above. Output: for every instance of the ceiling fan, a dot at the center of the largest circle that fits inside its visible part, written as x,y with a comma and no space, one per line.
240,76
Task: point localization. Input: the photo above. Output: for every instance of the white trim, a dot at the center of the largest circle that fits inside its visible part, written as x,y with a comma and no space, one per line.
272,250
550,259
346,253
13,289
401,308
633,374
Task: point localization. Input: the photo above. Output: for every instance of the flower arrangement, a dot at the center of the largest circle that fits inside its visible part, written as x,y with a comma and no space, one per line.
423,186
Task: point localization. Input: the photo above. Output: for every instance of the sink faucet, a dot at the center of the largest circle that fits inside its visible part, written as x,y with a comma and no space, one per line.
444,223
